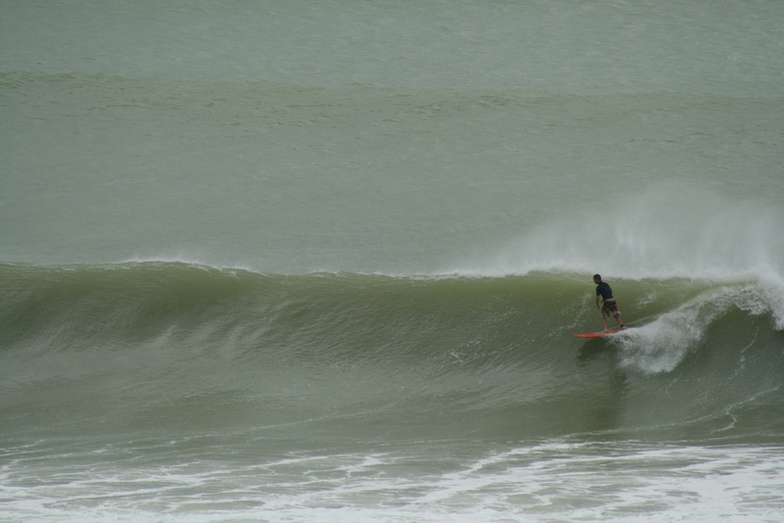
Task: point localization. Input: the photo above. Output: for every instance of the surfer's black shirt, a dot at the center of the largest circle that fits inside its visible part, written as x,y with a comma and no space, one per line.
605,290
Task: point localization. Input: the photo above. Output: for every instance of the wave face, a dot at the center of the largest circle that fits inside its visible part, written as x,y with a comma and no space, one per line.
146,345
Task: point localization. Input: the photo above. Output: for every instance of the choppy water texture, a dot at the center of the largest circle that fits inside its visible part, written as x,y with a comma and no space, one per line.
286,261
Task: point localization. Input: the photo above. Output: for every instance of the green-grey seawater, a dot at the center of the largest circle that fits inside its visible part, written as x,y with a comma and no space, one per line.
295,261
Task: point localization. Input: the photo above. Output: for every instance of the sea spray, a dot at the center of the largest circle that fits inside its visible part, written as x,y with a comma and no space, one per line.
669,230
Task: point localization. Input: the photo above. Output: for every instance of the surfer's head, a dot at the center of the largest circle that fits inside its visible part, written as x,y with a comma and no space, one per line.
597,278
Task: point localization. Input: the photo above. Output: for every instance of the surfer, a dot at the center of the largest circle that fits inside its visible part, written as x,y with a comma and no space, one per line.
606,302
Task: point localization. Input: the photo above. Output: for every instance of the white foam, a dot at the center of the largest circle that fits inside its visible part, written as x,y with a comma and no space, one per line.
618,481
661,345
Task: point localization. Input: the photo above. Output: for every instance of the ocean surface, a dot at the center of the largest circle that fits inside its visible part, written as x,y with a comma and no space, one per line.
296,261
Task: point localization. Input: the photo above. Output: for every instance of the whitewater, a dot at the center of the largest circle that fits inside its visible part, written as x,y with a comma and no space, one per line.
294,261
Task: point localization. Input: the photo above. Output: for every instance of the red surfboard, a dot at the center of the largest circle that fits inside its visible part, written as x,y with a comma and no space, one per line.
597,334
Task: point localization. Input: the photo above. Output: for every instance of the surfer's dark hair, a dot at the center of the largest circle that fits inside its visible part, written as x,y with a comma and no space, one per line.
597,277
